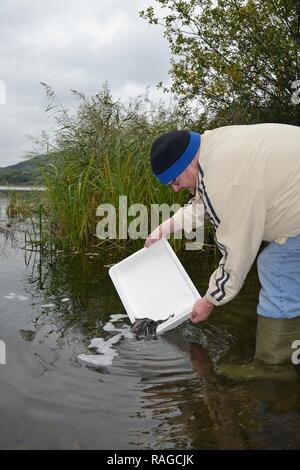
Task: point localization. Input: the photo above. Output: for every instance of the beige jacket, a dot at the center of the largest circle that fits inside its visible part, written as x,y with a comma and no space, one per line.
249,182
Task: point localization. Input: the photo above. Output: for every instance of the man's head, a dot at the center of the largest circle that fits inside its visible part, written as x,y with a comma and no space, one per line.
174,159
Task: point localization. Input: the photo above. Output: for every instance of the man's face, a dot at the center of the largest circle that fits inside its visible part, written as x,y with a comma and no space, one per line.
186,180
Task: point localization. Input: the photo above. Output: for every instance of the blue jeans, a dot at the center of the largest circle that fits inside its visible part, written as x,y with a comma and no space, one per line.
279,274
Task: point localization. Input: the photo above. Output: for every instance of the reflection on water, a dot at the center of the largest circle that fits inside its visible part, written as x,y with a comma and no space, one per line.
156,394
22,188
3,204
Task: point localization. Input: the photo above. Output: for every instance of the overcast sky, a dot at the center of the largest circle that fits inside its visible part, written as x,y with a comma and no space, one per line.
71,44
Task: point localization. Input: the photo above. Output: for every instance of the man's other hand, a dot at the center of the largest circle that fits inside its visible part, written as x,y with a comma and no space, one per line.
201,310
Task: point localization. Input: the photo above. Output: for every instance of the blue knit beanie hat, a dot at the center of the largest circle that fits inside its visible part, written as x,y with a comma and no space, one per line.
171,154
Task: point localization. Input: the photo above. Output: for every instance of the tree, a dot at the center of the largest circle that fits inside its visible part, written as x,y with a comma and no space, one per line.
239,59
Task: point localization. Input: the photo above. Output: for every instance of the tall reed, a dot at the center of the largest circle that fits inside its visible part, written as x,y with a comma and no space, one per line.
97,155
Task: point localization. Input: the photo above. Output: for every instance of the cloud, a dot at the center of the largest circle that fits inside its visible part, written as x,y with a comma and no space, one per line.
71,45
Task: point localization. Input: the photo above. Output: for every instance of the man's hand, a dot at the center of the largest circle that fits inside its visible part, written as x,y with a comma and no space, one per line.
156,235
162,231
201,310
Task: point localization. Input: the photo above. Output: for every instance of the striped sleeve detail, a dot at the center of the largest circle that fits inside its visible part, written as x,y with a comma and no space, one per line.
219,292
202,189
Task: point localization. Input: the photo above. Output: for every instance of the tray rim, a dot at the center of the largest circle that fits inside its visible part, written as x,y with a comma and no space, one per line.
168,322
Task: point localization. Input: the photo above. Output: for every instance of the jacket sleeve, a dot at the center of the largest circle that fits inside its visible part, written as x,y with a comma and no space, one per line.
189,216
238,236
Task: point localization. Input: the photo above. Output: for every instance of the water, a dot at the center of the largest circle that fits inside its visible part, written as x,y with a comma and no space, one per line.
155,394
3,205
22,188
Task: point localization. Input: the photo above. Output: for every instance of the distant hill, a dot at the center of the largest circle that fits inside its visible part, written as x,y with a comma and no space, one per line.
25,172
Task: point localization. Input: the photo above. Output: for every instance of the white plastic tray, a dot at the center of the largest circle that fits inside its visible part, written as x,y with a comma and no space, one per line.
152,283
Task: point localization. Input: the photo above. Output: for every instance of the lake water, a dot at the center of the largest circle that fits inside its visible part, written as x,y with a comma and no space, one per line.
22,188
156,394
3,204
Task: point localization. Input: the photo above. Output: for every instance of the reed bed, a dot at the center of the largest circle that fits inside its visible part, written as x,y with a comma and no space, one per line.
97,155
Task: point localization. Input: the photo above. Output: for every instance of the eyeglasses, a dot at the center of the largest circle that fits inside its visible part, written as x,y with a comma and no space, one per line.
173,182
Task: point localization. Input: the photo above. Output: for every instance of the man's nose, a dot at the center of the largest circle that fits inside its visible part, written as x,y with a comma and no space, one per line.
175,188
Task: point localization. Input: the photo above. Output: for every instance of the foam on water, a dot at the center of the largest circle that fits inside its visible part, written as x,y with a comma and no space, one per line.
105,348
109,327
13,296
117,317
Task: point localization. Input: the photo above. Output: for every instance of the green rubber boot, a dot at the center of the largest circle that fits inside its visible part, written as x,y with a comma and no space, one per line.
273,353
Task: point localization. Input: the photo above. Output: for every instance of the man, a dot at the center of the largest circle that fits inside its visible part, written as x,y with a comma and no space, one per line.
248,178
